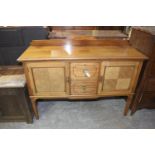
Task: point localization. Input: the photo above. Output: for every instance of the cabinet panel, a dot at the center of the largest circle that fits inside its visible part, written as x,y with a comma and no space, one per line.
150,86
147,100
10,105
14,105
49,78
118,77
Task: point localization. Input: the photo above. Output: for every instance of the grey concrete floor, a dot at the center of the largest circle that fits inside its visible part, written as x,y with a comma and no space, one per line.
100,114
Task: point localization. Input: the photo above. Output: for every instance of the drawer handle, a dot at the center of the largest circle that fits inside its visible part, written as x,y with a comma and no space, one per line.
86,72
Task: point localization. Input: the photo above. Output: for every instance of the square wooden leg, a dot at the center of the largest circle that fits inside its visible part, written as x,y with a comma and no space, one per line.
128,103
34,106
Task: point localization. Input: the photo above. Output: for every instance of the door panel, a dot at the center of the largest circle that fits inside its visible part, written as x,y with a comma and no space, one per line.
49,78
118,77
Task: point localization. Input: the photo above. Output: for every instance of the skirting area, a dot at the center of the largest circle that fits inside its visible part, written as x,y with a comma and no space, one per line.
100,114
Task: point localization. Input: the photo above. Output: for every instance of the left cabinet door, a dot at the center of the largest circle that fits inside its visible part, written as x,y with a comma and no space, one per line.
48,78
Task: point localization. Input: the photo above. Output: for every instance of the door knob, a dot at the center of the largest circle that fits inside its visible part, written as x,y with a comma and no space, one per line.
86,72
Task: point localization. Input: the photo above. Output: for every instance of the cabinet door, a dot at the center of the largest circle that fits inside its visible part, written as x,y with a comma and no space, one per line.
48,78
118,77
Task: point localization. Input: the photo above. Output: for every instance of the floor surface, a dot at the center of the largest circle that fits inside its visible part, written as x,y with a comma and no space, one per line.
100,114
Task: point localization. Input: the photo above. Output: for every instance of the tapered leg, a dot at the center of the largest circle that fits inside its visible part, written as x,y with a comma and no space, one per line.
128,103
34,106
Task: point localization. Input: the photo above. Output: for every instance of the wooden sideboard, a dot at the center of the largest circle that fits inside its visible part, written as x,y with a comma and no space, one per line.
81,69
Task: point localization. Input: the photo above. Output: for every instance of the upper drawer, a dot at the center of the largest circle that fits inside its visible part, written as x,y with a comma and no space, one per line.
84,71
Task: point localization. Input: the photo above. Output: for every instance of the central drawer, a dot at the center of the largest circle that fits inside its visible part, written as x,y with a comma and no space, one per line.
84,78
84,71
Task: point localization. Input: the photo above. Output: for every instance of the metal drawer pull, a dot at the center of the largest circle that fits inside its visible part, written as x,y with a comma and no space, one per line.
86,72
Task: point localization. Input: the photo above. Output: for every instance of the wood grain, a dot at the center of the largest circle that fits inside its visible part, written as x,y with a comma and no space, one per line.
48,78
73,52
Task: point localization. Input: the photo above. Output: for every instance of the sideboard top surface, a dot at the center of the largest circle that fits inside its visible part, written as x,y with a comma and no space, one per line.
69,51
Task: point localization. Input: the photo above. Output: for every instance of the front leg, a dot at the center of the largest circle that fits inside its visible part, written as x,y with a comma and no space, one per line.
128,103
34,107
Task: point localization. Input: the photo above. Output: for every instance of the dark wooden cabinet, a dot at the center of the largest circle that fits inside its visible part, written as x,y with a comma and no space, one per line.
14,100
143,38
14,106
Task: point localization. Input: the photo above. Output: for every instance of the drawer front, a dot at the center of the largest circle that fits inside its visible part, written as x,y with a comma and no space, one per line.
84,71
150,85
87,88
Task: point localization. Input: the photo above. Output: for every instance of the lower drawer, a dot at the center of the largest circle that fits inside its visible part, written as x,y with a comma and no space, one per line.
86,88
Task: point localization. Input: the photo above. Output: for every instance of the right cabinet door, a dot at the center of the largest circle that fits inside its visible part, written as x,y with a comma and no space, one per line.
118,77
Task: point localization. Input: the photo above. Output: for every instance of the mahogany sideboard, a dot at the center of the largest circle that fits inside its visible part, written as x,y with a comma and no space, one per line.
143,39
81,69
